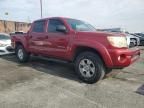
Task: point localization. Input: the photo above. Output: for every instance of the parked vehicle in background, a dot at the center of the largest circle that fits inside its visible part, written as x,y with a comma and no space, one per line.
141,37
5,44
93,53
17,32
140,34
132,40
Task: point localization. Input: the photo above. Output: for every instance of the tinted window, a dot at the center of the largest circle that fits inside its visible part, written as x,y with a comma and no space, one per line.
53,23
39,26
4,37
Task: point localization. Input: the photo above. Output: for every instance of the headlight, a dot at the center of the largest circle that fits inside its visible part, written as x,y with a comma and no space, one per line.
2,45
118,41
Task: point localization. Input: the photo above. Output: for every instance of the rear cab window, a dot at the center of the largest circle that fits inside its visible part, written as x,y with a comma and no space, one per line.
39,26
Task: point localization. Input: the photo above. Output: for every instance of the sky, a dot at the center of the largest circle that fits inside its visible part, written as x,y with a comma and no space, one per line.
127,14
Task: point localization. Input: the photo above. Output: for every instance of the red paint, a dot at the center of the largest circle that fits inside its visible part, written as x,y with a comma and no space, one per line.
64,45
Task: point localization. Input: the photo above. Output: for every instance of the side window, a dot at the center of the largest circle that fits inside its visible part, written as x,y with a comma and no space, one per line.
52,25
39,26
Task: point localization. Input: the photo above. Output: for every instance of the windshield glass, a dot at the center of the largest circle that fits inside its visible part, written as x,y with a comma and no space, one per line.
4,37
80,25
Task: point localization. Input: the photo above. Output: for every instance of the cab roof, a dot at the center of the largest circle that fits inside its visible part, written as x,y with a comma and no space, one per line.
53,18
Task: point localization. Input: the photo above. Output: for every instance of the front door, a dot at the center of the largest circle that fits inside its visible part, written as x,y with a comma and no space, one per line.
58,41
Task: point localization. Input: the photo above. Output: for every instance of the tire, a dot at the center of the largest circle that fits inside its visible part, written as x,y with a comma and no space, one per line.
21,54
89,67
108,70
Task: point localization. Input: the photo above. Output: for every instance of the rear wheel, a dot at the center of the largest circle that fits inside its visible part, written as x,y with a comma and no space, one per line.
21,54
89,67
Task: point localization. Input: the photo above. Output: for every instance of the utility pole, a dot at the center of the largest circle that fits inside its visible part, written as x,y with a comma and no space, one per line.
41,8
5,22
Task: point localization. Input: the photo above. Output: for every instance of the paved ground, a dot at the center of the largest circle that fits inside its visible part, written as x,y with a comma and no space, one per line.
43,83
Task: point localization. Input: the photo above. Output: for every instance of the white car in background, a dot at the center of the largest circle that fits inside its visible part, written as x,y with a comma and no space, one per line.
132,40
5,44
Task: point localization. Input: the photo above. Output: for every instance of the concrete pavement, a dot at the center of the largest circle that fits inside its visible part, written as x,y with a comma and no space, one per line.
44,83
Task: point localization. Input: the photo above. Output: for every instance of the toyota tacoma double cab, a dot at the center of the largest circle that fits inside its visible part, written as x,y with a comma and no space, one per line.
93,53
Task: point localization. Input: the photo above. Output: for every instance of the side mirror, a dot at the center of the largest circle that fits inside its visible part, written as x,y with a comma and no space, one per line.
61,28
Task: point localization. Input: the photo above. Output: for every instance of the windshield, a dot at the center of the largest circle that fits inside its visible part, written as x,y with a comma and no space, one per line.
4,37
80,25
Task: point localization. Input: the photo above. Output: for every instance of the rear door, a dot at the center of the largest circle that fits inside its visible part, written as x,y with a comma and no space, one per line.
57,41
38,37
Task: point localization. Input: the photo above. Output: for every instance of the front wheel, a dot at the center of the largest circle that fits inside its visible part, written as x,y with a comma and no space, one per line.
21,54
89,67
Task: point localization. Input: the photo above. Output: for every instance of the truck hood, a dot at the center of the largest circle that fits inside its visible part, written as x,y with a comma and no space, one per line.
99,33
95,37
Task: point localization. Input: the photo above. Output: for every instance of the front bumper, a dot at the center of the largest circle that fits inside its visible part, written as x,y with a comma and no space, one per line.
6,50
124,57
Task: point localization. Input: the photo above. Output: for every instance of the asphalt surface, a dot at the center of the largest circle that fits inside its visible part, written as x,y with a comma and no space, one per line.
45,83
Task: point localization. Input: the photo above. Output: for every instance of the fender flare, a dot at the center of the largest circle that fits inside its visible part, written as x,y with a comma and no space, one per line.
101,49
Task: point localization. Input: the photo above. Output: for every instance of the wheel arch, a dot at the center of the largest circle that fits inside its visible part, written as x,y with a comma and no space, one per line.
81,49
17,43
99,50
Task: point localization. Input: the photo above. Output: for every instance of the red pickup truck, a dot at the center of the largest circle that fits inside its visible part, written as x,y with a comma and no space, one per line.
92,52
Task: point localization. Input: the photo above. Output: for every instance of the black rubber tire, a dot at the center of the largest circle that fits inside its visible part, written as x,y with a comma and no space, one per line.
99,73
25,54
108,70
